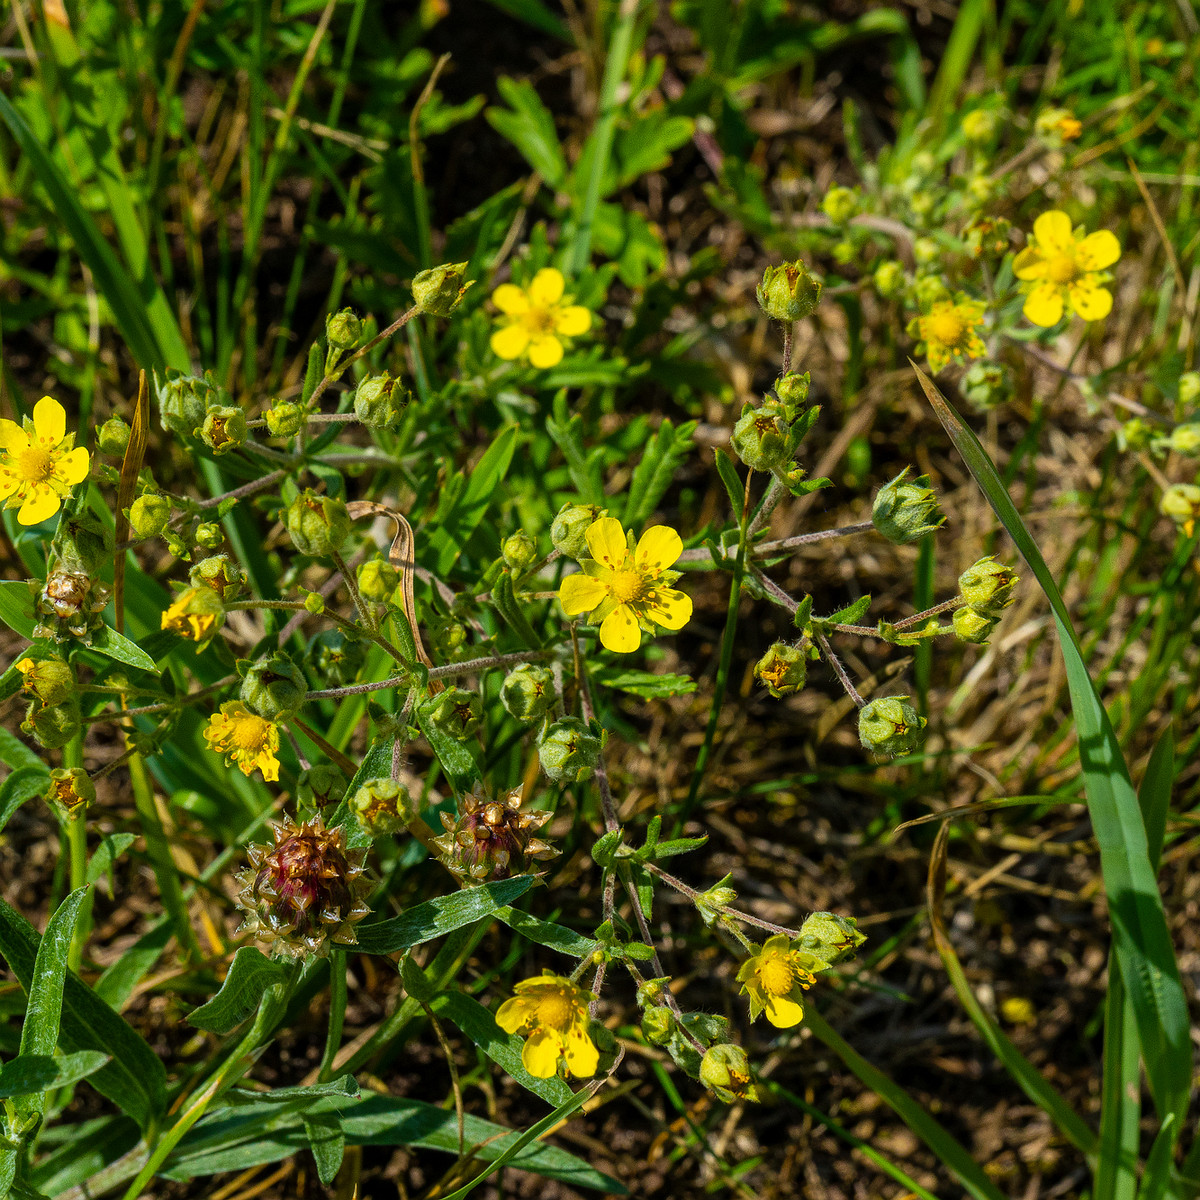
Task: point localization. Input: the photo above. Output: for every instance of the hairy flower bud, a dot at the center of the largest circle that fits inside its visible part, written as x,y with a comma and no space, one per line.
184,399
761,437
379,400
377,580
70,604
709,904
788,292
343,329
220,573
320,785
725,1070
383,806
49,680
658,1023
317,525
224,428
285,419
987,586
519,551
782,669
831,938
439,290
890,725
149,514
274,688
457,712
839,204
568,530
196,613
569,750
986,385
53,725
888,278
792,390
926,251
305,893
209,536
1181,502
1189,387
492,839
113,437
971,626
1185,439
336,657
527,692
904,511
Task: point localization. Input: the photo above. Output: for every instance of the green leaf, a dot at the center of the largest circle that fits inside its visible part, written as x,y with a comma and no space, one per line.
1157,1175
729,477
23,784
566,429
250,974
644,684
456,758
850,615
546,933
345,1086
14,753
112,846
528,124
116,645
1154,796
39,1032
29,1074
327,1143
423,922
16,604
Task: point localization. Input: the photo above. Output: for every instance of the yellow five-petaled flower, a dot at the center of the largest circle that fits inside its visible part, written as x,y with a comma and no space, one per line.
949,331
535,319
39,464
775,979
552,1013
245,739
1064,268
627,590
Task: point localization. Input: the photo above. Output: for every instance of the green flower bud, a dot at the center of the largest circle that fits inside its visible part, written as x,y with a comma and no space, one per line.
979,126
317,525
890,725
274,687
792,390
314,603
904,512
82,544
845,252
457,712
184,399
343,329
568,531
761,437
1185,439
379,400
439,290
519,551
1134,434
725,1071
710,903
527,692
839,204
569,750
971,626
383,806
928,290
831,938
788,292
1181,502
49,680
149,514
987,586
52,725
335,657
783,669
319,786
888,278
926,251
378,580
658,1023
285,419
113,437
224,429
220,573
70,791
209,536
1189,387
986,385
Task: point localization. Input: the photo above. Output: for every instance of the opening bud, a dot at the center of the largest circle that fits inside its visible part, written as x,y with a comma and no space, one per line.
343,329
710,903
568,530
274,688
439,290
831,938
761,437
224,429
890,725
149,515
285,419
48,680
1181,502
113,437
788,292
658,1024
527,692
317,525
519,551
570,749
197,613
220,573
987,586
379,400
70,791
457,712
783,669
792,390
725,1071
905,511
383,806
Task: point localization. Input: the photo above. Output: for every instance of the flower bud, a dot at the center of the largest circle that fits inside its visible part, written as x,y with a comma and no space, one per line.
209,536
1181,502
527,692
1189,387
658,1023
788,292
1057,125
519,551
904,512
709,904
928,290
569,528
196,613
725,1070
379,400
319,786
926,251
224,429
890,725
220,573
979,126
70,603
317,525
314,603
839,204
343,329
53,725
184,399
761,437
986,385
285,419
492,839
1134,434
378,580
149,514
831,938
988,586
113,437
274,688
336,657
783,669
792,390
569,750
82,544
439,290
70,791
973,627
1185,439
457,712
888,278
50,680
383,806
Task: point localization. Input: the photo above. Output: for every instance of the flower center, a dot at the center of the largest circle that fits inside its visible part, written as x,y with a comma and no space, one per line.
556,1010
35,465
539,321
1061,268
627,585
776,976
248,733
946,327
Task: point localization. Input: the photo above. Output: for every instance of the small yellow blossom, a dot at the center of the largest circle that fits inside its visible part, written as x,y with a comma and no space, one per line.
775,980
552,1013
197,614
950,332
245,739
535,319
1058,123
1018,1010
1064,269
627,590
38,463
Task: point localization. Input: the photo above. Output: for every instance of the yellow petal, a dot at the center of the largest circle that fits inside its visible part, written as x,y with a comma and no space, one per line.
669,608
1053,232
40,502
782,1011
1098,250
510,341
513,1014
657,549
1092,303
49,421
510,299
73,468
545,352
12,437
581,1053
573,320
268,764
606,541
546,288
619,631
1044,305
8,483
541,1053
938,357
1029,264
579,594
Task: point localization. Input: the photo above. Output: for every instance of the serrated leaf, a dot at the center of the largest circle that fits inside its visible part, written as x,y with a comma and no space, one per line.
566,429
250,974
30,1074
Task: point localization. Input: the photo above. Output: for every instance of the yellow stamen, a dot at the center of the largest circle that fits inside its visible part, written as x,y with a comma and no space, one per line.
776,977
35,465
627,585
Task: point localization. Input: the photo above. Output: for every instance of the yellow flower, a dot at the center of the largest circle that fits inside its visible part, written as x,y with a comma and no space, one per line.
1065,268
949,331
624,589
1058,123
552,1013
38,463
535,319
197,614
245,739
775,980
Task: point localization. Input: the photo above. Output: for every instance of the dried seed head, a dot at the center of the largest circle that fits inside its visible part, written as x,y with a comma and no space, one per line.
492,839
69,603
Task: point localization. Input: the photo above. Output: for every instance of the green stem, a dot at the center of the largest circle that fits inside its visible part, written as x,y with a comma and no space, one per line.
77,848
337,1013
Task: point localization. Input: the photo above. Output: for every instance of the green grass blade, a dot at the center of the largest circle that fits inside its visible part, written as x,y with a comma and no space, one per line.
956,59
1120,1094
1154,796
1157,1176
1140,935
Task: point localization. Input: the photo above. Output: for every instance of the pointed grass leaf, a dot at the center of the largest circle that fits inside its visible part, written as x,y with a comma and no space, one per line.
1154,796
250,974
29,1074
345,1086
